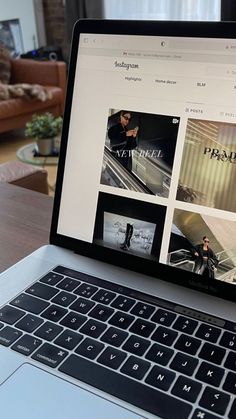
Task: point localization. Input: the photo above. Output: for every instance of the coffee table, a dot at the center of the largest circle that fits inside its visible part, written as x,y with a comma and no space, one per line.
26,155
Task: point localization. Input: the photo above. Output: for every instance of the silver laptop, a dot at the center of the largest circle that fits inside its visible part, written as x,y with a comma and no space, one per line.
130,311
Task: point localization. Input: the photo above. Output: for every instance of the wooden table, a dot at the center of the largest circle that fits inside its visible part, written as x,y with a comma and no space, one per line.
25,218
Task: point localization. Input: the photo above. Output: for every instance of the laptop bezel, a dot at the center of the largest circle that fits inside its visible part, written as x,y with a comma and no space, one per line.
131,262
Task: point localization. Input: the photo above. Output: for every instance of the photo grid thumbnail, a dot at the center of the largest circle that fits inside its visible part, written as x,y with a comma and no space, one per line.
203,244
208,169
139,151
129,226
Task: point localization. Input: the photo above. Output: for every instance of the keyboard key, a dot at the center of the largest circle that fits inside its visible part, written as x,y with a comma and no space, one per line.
152,400
104,296
122,320
82,305
184,363
93,328
208,333
29,303
143,310
9,335
202,414
164,335
142,328
69,339
26,345
187,344
68,284
231,361
51,278
29,323
163,317
212,353
135,367
101,312
112,358
232,413
42,291
64,298
123,303
86,290
186,389
210,374
10,314
114,336
50,355
54,313
159,354
183,324
90,348
230,383
215,401
228,340
73,320
160,378
48,331
136,345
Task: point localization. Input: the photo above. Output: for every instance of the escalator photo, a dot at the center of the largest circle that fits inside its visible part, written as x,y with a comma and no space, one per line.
139,151
203,244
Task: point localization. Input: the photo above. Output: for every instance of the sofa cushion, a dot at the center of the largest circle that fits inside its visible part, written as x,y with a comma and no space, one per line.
14,107
17,112
46,73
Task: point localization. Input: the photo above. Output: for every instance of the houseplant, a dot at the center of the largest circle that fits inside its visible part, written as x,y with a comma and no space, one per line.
43,129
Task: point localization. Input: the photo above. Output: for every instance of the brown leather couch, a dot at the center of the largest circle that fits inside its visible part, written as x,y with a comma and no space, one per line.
14,113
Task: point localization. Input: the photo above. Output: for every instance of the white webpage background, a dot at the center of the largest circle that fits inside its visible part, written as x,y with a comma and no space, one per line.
204,75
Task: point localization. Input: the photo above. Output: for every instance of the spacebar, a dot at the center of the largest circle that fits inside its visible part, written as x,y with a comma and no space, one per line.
134,392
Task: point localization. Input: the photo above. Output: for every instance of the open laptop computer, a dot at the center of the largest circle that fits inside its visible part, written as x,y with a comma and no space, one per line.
130,311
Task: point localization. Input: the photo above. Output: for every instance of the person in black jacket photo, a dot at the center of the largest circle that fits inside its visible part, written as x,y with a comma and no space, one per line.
205,259
123,140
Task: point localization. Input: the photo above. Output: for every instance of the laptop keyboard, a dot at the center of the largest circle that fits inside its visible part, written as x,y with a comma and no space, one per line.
165,359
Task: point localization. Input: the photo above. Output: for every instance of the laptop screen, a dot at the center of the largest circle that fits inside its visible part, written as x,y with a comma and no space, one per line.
149,172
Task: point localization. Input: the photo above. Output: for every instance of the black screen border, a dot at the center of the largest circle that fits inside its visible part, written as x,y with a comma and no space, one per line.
225,30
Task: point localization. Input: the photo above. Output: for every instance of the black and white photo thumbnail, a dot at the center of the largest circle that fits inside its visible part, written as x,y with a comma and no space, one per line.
129,225
139,151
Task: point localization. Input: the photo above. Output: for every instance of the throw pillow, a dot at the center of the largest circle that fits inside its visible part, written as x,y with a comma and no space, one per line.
21,90
5,64
24,91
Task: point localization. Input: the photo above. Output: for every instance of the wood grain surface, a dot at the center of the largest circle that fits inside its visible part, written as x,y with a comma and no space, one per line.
25,218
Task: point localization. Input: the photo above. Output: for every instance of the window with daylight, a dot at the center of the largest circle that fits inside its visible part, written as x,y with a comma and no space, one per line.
163,9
